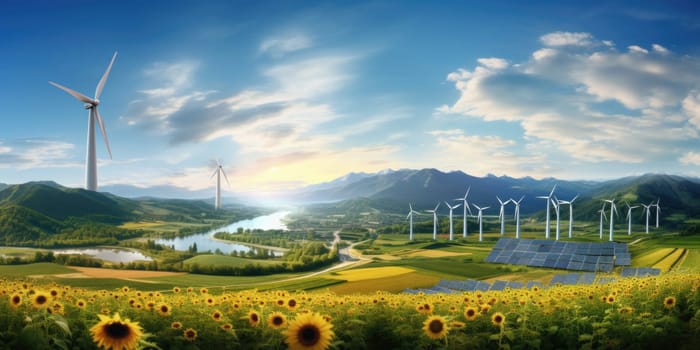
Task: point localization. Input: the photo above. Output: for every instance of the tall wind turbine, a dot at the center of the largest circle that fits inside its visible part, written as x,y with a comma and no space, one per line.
517,216
602,215
501,214
648,212
629,218
451,209
466,209
480,218
658,209
571,214
555,203
548,198
93,113
434,211
410,218
613,211
219,170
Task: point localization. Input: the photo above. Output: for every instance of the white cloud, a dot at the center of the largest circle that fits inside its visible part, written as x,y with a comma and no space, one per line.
567,39
637,49
589,103
493,63
660,49
278,46
690,158
37,153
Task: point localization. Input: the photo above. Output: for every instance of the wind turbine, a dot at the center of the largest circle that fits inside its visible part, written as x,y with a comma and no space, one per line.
219,170
451,208
480,218
571,214
648,212
602,215
501,215
548,198
613,211
555,203
466,209
434,211
410,218
517,216
629,218
658,209
93,113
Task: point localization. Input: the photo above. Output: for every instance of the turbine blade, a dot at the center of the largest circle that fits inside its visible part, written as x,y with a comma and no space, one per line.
225,177
214,173
101,84
102,129
457,206
553,188
74,93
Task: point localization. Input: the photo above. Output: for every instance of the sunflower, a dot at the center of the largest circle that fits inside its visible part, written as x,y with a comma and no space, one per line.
176,290
164,309
435,327
176,325
610,299
39,300
277,320
669,302
15,300
116,333
498,319
471,313
309,331
253,318
80,303
280,302
292,304
226,326
217,315
204,291
190,334
457,324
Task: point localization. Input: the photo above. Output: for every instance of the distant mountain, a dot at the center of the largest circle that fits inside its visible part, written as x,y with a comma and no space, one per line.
3,186
393,190
164,191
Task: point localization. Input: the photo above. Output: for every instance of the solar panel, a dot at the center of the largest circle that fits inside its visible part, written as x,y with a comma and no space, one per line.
531,284
571,278
515,285
499,285
482,286
586,278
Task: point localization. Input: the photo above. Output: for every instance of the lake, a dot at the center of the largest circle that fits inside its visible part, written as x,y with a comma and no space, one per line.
205,241
114,255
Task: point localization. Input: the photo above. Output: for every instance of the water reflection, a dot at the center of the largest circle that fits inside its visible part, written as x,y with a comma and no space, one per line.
107,254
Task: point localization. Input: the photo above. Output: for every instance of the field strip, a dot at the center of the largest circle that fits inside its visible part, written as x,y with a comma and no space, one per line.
670,260
371,273
121,274
427,253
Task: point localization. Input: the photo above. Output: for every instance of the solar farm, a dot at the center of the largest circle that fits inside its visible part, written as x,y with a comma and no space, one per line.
593,257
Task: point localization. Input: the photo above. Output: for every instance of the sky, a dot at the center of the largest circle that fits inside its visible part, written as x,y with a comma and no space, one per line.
290,93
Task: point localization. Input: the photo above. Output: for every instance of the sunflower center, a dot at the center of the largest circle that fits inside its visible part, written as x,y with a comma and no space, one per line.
16,300
470,312
436,326
292,303
164,309
309,335
277,320
117,330
498,319
40,299
254,317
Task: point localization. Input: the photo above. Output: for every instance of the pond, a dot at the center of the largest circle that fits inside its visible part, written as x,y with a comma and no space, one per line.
205,241
114,255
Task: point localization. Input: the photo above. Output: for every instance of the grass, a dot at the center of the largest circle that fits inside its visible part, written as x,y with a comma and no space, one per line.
692,261
670,260
652,257
20,252
393,284
225,260
33,269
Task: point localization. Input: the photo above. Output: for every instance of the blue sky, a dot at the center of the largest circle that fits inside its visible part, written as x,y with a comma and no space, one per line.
291,93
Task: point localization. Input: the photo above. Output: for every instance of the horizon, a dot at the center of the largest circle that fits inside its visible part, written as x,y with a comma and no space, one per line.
291,95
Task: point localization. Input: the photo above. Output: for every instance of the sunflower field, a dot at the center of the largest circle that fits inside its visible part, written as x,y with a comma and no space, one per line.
631,313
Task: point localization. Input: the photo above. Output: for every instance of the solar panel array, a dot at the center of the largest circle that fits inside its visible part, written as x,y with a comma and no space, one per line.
639,272
560,255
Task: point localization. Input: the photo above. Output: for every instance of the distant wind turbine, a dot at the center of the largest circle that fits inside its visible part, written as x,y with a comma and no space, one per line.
219,170
93,113
517,216
501,215
465,205
410,218
451,209
658,209
629,218
648,212
548,198
571,214
613,211
480,218
602,215
435,218
555,203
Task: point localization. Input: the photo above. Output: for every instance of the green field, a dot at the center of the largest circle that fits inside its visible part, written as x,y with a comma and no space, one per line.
225,260
33,270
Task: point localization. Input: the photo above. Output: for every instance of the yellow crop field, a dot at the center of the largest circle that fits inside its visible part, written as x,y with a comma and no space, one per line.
370,273
652,257
141,225
427,253
390,284
669,261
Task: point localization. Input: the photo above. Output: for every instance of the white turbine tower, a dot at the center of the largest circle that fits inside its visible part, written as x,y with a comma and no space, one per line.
466,209
555,203
219,170
548,198
517,216
435,217
629,218
613,211
501,214
93,113
602,215
571,214
410,218
480,218
648,212
658,209
451,209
